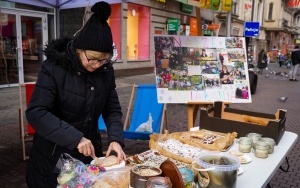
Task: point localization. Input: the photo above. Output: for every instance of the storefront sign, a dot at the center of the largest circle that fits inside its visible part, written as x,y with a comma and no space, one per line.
215,4
293,4
226,5
205,3
213,26
193,27
7,4
182,1
207,33
172,24
186,8
251,29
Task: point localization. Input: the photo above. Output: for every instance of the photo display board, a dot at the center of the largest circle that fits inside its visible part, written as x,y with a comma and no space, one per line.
201,69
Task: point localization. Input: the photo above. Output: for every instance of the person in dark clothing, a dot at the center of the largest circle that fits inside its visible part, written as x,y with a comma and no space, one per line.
295,58
203,54
280,58
158,57
221,58
262,61
74,87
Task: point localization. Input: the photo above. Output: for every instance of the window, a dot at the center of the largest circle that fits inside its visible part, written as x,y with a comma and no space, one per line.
260,12
285,23
235,31
234,7
68,27
138,32
270,15
115,25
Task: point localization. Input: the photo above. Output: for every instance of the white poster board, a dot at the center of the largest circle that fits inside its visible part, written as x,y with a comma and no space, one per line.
193,69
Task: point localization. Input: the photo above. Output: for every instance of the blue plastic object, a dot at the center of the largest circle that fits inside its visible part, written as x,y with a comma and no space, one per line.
101,124
145,102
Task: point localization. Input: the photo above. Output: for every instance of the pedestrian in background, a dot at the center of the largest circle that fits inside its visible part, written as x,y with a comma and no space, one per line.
295,57
268,58
262,61
288,61
280,58
75,86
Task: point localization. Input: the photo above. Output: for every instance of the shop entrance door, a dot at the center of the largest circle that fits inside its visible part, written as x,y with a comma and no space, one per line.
23,35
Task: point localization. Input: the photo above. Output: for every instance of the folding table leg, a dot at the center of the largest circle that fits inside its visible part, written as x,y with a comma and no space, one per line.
288,165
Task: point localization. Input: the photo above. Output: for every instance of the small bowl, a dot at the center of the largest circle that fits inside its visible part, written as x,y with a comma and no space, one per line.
140,174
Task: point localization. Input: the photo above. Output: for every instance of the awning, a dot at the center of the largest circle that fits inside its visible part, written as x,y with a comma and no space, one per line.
63,4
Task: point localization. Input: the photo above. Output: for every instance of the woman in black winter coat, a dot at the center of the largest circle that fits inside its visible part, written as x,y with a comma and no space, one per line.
262,61
75,86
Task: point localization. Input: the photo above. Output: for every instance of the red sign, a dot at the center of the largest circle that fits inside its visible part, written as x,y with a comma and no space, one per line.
213,26
294,4
193,27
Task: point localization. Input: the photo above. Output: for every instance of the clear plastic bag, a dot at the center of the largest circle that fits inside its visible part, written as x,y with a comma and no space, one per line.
75,174
119,177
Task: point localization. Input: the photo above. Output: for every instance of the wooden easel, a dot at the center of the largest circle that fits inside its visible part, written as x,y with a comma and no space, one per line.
193,108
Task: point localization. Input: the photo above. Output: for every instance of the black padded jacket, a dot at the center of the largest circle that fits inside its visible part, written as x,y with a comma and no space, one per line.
65,106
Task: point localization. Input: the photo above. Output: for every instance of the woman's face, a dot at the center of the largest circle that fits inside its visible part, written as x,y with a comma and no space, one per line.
92,60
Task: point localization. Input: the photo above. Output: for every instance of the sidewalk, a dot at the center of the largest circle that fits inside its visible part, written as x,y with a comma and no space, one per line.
271,87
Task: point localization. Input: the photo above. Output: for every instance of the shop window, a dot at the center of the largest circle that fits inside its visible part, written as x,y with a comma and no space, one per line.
235,31
68,27
115,25
138,32
51,31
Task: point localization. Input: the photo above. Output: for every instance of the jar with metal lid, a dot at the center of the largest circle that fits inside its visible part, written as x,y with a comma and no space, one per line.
159,182
271,143
254,137
245,144
261,149
188,177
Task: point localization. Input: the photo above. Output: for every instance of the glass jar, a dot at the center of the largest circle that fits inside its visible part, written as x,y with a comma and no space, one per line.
261,149
271,143
254,137
159,182
245,144
188,177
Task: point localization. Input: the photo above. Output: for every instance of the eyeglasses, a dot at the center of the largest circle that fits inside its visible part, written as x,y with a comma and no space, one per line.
96,61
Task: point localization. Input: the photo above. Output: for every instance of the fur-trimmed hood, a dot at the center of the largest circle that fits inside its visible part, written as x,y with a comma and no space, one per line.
62,51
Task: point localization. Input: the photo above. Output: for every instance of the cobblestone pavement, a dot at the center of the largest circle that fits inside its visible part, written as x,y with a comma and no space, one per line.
269,89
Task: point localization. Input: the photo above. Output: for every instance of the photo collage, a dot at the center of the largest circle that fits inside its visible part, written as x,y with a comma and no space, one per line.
181,68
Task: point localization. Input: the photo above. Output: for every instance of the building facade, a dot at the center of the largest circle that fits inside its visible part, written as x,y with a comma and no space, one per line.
279,25
25,29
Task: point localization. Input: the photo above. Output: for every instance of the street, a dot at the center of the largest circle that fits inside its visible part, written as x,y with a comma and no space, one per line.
272,84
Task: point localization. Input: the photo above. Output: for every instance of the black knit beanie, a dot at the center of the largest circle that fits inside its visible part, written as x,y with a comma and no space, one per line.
96,34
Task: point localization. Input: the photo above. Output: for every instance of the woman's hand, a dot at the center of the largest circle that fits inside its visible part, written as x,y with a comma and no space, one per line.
115,146
86,147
